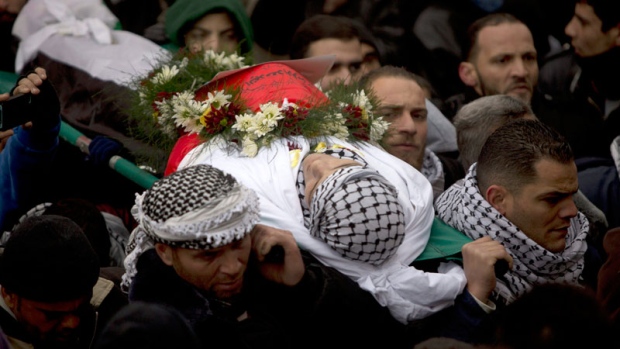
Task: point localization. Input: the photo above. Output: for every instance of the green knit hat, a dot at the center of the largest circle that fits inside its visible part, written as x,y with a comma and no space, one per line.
184,12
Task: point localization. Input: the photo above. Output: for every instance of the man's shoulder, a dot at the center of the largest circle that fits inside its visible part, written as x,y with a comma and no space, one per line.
557,74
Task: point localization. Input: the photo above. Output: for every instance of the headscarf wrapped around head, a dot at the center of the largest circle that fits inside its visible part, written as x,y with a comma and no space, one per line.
355,211
199,207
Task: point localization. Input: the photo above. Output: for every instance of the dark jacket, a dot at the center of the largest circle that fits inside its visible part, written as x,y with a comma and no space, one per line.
326,309
573,92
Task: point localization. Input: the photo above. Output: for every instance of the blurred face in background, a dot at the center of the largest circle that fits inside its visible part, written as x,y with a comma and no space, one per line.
370,60
587,36
214,31
348,64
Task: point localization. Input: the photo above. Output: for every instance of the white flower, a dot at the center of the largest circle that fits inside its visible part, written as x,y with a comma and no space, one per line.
244,122
187,111
184,96
270,114
166,74
378,127
336,127
250,148
260,126
211,57
286,104
143,100
218,99
234,61
165,110
361,100
184,62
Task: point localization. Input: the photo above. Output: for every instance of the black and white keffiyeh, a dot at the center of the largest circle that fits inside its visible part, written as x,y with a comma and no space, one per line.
355,211
199,207
464,208
433,171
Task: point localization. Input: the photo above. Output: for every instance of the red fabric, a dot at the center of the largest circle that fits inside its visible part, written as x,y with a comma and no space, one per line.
181,148
267,82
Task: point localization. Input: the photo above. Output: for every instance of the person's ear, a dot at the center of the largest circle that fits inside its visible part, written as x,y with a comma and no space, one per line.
497,196
164,252
467,73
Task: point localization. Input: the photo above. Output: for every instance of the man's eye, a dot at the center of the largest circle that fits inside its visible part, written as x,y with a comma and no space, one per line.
553,200
209,255
419,116
354,67
388,114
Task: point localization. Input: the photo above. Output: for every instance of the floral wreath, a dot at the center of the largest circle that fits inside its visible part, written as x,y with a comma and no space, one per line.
165,106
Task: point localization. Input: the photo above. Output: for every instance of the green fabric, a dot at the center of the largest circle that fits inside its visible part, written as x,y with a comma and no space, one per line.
183,12
7,81
445,242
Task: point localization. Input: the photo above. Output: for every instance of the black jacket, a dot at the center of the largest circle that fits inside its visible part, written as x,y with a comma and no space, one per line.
326,309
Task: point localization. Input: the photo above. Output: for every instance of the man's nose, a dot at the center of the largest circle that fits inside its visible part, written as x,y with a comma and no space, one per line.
519,68
231,264
70,321
569,210
407,124
343,74
569,30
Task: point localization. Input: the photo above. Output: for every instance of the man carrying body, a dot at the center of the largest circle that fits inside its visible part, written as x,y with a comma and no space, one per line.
502,59
402,103
239,284
331,35
520,193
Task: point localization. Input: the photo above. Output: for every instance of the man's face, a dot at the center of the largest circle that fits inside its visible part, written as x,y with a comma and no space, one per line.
402,103
12,6
214,31
506,62
218,271
585,31
370,58
543,209
55,324
348,60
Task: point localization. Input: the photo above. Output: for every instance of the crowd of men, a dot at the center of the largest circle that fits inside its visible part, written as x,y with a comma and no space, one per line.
511,186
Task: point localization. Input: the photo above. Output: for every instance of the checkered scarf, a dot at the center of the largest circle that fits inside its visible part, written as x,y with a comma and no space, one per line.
199,207
355,211
433,171
464,208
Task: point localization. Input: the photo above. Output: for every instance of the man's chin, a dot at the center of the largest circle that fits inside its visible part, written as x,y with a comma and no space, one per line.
521,94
